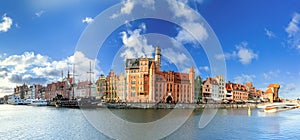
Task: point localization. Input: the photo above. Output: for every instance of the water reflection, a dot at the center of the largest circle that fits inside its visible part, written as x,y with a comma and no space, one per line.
27,122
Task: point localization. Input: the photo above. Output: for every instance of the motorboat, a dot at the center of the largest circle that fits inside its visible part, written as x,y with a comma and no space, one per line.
277,108
36,102
15,100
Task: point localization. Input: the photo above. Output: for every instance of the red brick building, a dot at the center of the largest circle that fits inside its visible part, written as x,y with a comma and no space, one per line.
239,92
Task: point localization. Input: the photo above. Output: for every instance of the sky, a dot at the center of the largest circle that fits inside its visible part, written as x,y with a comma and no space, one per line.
250,40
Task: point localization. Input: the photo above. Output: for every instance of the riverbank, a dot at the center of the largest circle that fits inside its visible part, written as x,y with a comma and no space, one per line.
186,106
160,106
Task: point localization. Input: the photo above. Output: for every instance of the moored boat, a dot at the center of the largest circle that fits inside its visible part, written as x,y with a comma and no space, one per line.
15,100
38,102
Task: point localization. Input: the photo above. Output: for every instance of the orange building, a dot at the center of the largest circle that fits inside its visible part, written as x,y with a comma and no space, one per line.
272,92
147,83
253,94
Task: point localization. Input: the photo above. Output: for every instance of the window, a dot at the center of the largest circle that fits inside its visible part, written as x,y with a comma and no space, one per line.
132,94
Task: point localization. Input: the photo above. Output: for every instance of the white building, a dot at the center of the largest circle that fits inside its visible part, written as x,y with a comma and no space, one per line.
121,87
222,86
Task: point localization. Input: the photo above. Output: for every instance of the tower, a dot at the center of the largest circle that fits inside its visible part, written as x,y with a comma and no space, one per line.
192,84
152,83
157,58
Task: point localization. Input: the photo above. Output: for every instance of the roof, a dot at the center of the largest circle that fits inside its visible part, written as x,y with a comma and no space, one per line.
274,85
234,86
212,81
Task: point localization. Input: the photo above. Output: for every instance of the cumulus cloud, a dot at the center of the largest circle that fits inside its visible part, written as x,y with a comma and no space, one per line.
174,56
28,79
20,63
135,44
192,31
192,28
293,32
242,53
6,23
31,68
181,10
244,78
3,72
127,6
87,20
269,33
39,13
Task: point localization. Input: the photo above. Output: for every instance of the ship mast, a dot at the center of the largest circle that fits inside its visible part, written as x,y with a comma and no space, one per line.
73,81
90,82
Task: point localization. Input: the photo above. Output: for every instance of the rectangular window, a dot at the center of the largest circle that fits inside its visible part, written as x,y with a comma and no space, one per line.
132,94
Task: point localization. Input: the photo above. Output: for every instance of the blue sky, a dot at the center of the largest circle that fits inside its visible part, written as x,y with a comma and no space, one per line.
260,39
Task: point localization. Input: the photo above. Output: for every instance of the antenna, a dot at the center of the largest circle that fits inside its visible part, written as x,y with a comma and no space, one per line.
90,83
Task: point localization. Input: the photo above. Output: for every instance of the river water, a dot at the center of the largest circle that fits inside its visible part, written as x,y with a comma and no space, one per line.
28,122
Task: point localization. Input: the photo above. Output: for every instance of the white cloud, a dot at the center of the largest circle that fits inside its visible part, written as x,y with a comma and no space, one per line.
175,57
205,68
181,10
135,44
226,56
87,20
39,13
289,90
22,62
194,31
148,4
245,55
6,23
293,32
35,68
242,79
290,86
269,33
242,53
271,74
192,28
293,28
127,6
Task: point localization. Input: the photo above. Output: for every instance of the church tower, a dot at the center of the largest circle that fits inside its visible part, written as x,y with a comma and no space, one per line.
157,58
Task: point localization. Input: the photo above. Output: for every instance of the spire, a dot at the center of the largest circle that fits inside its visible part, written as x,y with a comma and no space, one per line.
192,69
157,50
